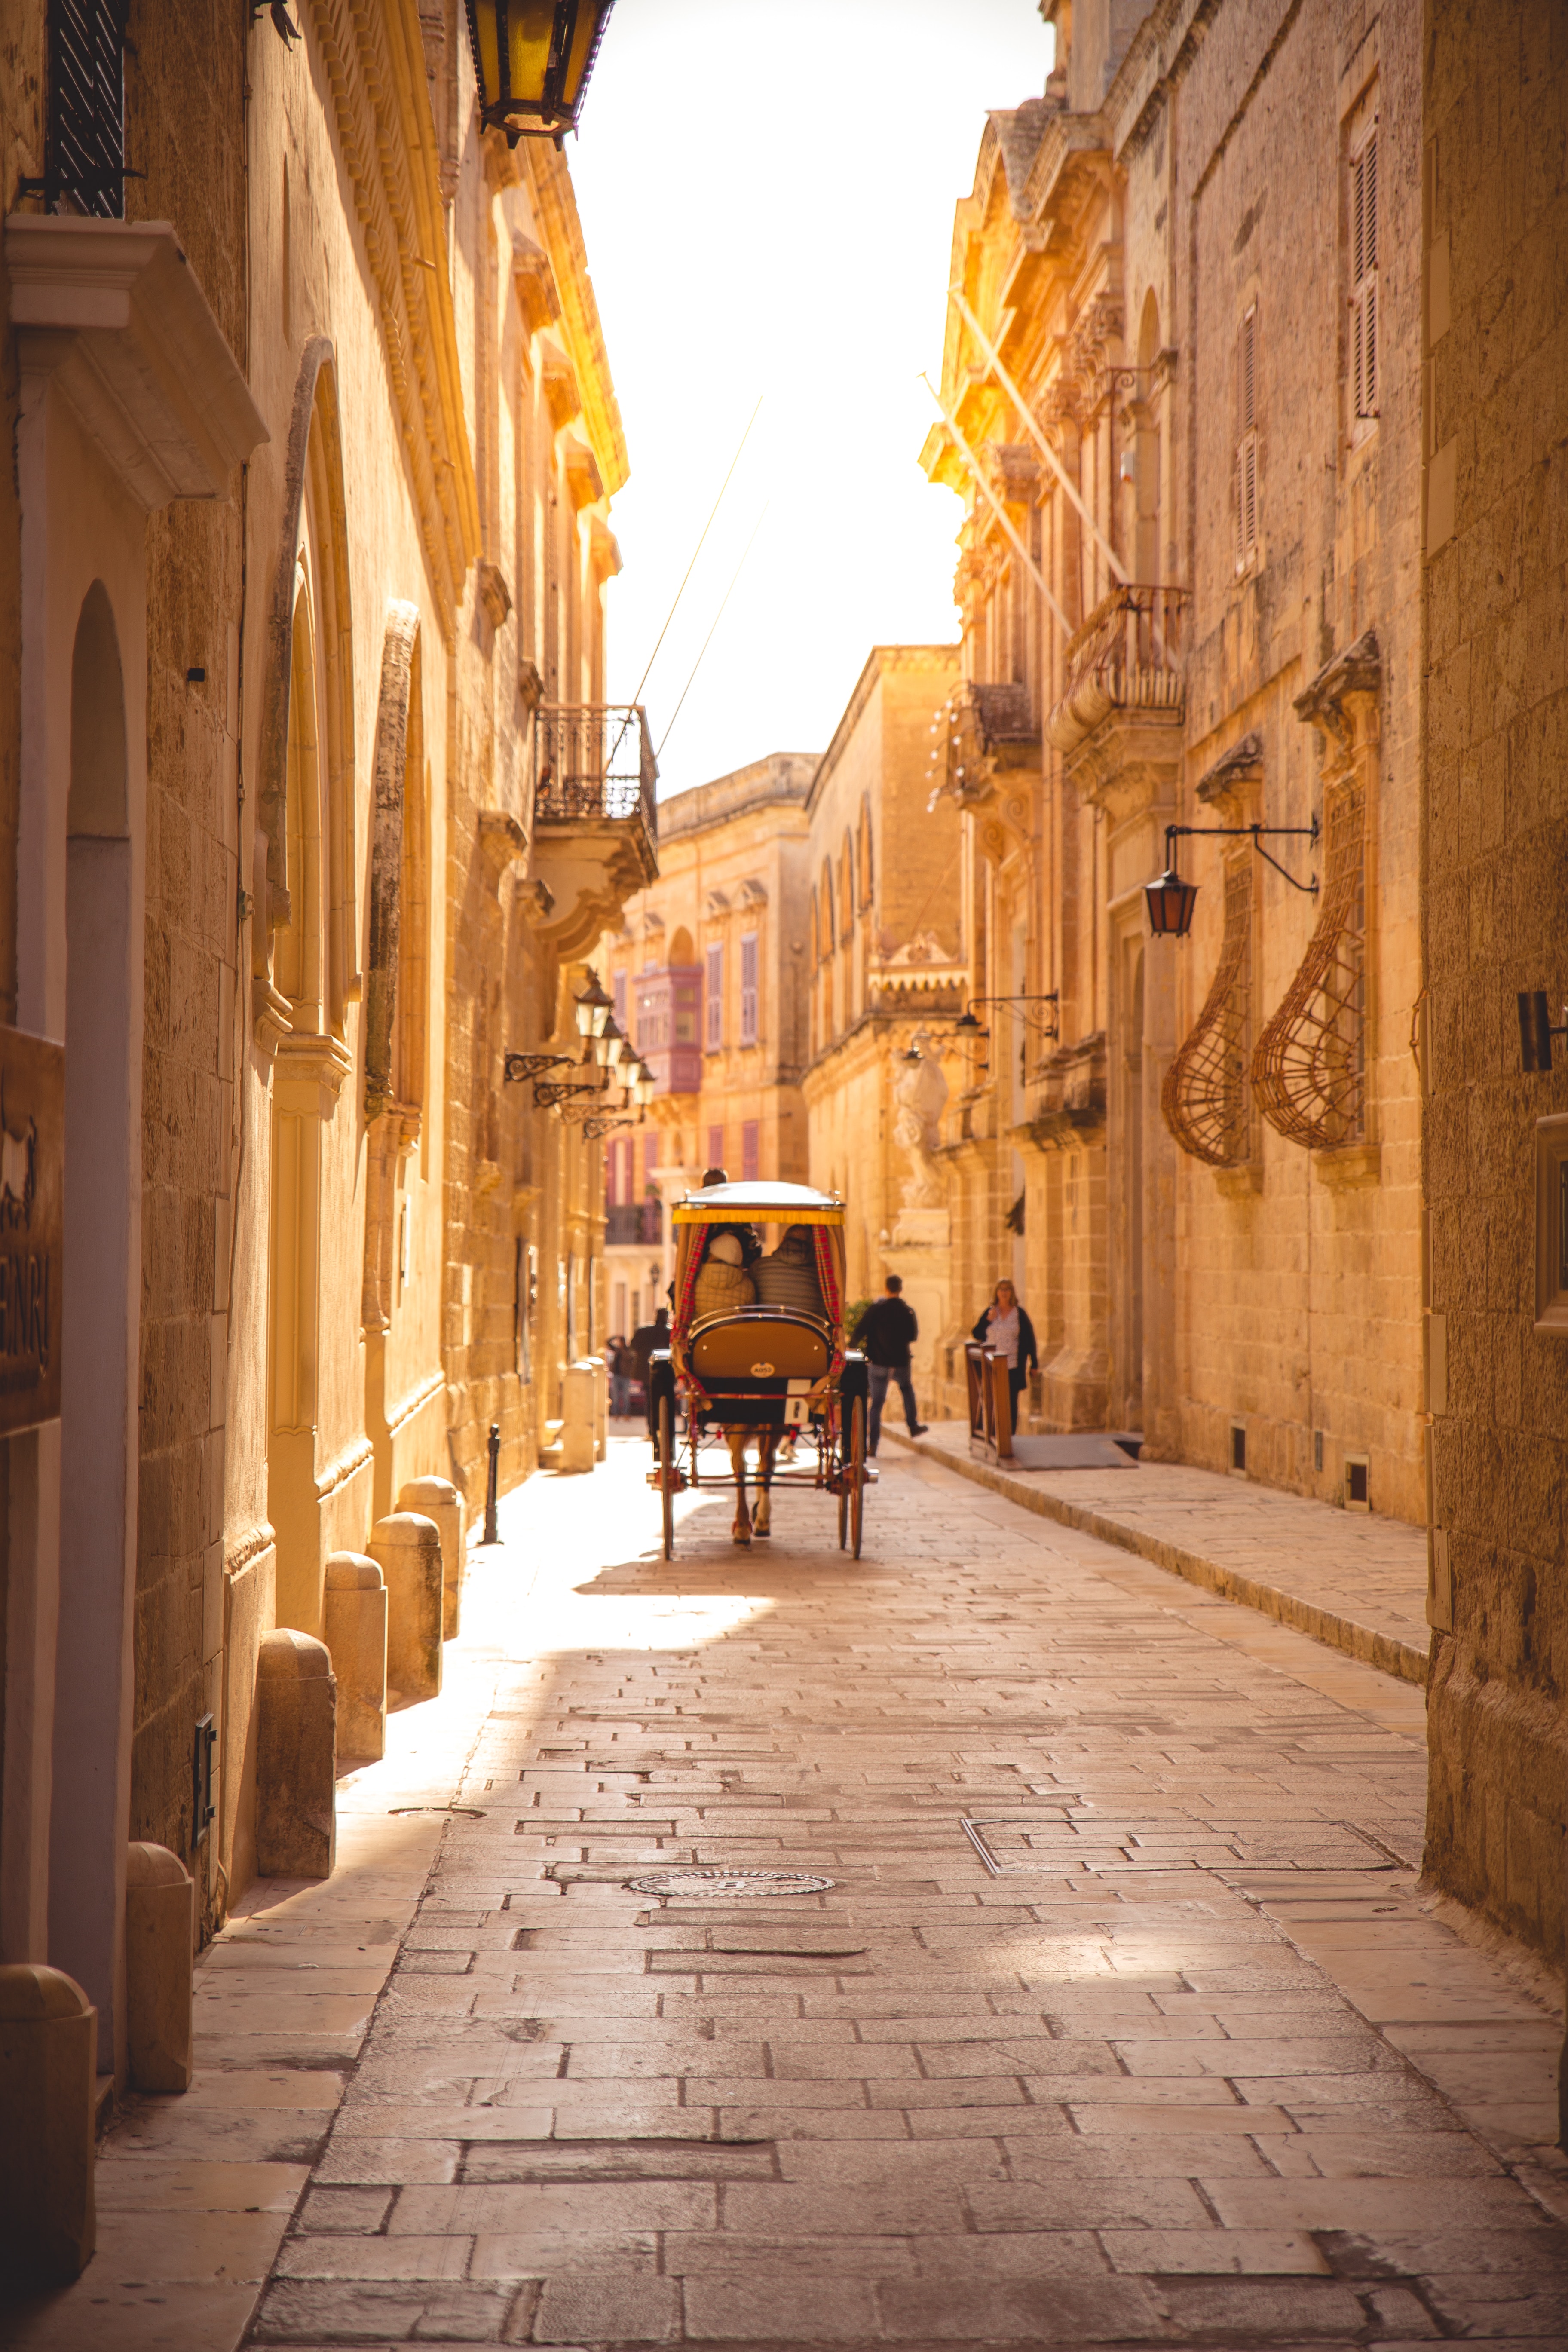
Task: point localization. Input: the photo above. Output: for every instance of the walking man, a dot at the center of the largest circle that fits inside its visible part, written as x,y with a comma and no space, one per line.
887,1331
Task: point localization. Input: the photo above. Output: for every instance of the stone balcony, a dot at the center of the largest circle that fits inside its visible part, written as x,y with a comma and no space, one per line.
991,741
1119,720
595,823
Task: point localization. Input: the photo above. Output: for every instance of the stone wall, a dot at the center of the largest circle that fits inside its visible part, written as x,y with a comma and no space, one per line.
181,106
1495,871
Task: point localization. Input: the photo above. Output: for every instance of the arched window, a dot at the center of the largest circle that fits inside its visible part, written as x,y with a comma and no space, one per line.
297,964
866,877
829,934
846,889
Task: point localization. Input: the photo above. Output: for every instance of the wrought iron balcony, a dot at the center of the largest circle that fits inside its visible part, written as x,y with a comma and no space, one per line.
593,760
635,1222
1126,658
595,821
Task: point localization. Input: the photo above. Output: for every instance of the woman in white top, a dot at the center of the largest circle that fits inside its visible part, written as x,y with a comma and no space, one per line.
1005,1327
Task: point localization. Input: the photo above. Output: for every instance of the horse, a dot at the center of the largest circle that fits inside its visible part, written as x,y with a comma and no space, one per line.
748,1523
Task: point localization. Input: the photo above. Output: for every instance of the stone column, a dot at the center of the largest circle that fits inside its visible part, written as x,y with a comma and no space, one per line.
355,1613
160,1946
407,1546
439,1499
580,1416
296,1758
48,2075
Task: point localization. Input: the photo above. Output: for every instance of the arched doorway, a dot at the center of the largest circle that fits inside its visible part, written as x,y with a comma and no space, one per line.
89,1814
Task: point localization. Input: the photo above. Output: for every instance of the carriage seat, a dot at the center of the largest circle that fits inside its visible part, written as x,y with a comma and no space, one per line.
759,1343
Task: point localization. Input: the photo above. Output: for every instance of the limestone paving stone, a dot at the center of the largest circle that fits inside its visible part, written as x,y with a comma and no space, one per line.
1080,2106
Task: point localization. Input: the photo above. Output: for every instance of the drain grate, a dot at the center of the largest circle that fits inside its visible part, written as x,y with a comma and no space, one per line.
697,1881
1057,1842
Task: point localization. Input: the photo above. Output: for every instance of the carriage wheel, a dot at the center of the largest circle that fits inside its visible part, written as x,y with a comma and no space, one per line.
667,1471
855,1473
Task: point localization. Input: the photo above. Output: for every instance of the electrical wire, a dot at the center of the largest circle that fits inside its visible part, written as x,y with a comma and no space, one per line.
697,549
708,639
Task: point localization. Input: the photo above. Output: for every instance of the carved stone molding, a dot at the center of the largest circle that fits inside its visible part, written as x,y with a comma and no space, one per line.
502,844
1223,787
494,594
534,281
1342,700
114,313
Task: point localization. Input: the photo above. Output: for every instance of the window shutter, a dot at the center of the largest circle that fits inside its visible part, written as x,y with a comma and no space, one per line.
715,1015
1364,241
1249,370
749,989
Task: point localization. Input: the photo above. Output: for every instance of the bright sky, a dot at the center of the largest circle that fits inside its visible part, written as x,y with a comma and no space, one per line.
767,190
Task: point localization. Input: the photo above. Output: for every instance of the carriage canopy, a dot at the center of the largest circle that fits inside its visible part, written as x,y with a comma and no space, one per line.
756,1204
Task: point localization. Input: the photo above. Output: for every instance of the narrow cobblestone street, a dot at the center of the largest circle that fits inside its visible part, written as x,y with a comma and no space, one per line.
1195,2065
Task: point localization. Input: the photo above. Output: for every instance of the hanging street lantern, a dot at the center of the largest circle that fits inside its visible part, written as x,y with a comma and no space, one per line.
532,59
1171,902
592,1010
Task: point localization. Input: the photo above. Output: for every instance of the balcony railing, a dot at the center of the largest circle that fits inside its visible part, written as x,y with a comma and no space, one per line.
593,760
635,1222
1127,657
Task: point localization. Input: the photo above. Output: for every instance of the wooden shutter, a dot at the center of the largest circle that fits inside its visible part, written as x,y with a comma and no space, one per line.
1247,446
1364,241
749,989
715,1013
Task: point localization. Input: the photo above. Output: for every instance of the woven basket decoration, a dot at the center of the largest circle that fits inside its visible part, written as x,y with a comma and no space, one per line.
1308,1073
1205,1098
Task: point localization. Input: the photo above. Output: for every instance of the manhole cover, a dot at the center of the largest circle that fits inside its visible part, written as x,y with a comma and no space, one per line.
731,1882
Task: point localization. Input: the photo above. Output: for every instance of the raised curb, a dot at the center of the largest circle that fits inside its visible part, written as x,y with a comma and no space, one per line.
1390,1655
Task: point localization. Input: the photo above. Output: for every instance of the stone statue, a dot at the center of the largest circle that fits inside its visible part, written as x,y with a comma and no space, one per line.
919,1091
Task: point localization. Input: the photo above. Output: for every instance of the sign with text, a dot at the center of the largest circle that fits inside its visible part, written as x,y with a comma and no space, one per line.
32,1228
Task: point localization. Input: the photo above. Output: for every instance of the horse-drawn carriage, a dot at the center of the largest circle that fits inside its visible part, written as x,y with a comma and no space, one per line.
760,1360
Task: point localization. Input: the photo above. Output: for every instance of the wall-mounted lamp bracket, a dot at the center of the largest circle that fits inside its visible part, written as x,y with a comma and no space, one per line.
533,1065
1049,1030
1258,833
1170,900
550,1093
594,1128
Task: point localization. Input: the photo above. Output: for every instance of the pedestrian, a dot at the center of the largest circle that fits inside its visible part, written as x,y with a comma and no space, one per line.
1005,1327
617,1355
648,1340
887,1331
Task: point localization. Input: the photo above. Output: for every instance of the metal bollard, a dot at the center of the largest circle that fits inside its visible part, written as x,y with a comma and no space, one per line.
492,1533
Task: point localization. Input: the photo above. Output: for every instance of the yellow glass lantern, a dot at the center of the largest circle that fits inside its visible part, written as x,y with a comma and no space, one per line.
532,59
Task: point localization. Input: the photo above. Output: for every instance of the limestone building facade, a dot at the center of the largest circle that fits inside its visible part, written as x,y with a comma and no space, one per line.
708,970
1494,852
1188,583
309,811
888,965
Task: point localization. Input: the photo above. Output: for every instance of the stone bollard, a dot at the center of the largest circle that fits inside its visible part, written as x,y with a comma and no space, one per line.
160,1946
49,2082
439,1499
355,1615
578,1423
295,1758
408,1547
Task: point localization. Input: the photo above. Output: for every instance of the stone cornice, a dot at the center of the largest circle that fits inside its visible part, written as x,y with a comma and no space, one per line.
556,210
114,311
374,64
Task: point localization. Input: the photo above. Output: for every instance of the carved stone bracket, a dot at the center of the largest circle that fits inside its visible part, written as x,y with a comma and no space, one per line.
1224,786
1342,700
502,844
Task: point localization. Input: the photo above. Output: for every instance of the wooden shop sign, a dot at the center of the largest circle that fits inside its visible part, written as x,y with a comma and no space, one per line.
32,1228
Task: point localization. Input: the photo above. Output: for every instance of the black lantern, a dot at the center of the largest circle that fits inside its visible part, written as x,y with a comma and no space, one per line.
1170,903
593,1011
532,59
